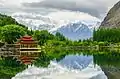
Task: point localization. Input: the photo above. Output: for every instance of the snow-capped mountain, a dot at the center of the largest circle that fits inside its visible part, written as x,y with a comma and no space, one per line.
35,22
74,30
92,24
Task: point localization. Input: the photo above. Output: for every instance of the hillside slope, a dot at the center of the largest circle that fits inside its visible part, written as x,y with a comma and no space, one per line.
8,20
112,20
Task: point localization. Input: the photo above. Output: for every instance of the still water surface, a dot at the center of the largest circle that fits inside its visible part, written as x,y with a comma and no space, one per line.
77,65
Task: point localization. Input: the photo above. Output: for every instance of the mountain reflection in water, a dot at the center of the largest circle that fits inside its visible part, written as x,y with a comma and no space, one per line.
75,65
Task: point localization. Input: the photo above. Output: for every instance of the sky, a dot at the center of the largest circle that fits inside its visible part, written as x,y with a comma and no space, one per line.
60,9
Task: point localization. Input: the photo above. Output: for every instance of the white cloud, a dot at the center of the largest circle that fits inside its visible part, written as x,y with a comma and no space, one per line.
1,4
96,8
57,18
67,16
16,3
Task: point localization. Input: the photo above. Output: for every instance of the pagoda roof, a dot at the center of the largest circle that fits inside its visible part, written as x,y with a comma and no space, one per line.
26,40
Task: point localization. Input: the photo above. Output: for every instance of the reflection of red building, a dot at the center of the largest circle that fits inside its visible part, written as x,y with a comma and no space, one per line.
25,50
28,49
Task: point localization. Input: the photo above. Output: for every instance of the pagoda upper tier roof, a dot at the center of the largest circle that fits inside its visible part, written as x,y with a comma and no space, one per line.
26,38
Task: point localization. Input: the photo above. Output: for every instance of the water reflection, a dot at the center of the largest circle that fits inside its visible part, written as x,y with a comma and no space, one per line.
103,57
78,62
111,59
69,67
88,64
107,59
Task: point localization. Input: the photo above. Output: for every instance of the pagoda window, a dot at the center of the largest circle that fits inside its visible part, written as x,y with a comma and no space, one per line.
22,45
26,53
25,45
29,53
35,45
22,53
29,46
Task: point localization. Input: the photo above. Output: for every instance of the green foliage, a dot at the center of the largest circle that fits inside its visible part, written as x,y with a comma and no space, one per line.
42,36
10,29
46,38
105,56
43,60
109,35
60,37
9,72
9,67
8,20
101,43
10,33
55,43
107,59
30,32
10,62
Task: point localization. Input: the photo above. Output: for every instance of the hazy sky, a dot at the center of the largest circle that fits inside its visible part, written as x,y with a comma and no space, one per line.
69,8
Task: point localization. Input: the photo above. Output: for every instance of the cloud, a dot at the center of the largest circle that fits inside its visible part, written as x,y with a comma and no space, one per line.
57,18
53,20
97,8
94,7
1,3
71,16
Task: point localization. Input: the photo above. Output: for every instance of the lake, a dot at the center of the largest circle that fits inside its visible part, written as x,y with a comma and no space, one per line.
75,64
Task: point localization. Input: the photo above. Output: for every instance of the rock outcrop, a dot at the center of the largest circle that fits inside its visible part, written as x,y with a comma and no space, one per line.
111,72
112,20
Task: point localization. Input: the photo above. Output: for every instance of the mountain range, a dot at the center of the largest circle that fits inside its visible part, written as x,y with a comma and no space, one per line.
74,30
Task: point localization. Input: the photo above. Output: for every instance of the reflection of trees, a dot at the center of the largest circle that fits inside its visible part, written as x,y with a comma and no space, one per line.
111,59
43,60
10,62
101,57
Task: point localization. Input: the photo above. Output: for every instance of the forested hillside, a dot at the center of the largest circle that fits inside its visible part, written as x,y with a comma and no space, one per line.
107,35
7,20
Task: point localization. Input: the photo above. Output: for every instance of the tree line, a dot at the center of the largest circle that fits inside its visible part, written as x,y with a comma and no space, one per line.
11,30
107,35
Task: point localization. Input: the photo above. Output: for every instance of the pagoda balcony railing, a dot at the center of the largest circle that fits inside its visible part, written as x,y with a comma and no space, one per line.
30,51
16,50
30,48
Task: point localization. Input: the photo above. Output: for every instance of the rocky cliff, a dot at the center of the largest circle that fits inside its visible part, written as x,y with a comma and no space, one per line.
112,20
111,72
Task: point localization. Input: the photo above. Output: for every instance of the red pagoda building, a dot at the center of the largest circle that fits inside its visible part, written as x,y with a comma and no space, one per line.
28,49
25,50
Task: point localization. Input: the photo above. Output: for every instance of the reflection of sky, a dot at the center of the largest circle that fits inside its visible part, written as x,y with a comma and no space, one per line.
76,61
56,71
